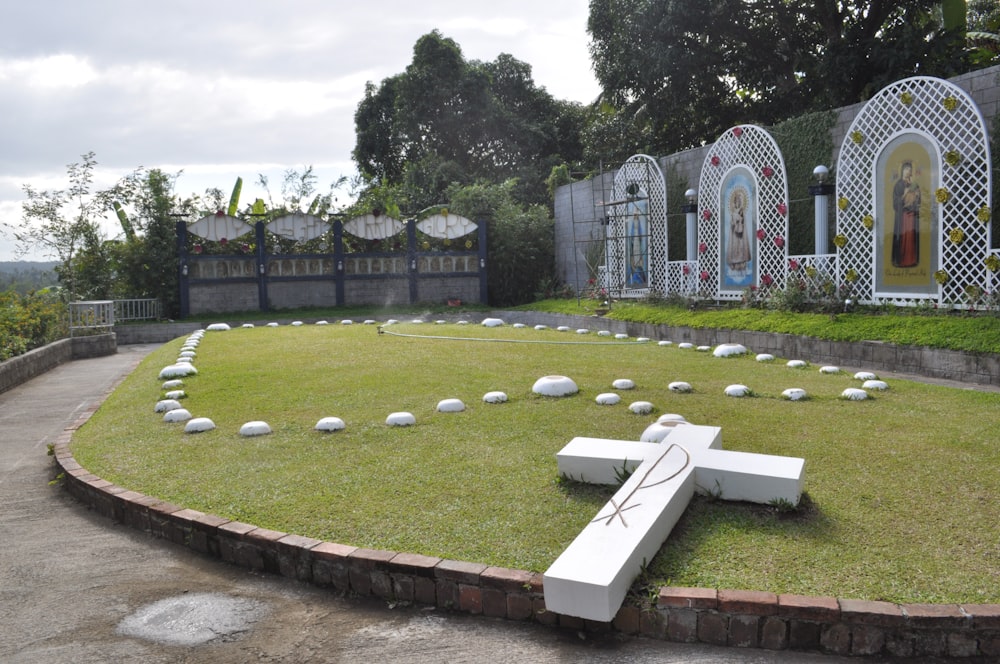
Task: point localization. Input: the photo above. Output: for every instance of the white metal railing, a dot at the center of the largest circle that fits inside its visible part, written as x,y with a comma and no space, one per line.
137,309
91,315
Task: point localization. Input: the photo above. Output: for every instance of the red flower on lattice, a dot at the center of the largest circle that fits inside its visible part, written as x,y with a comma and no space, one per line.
767,171
779,241
737,131
793,265
715,160
782,209
686,270
766,280
761,234
706,214
198,248
702,248
704,275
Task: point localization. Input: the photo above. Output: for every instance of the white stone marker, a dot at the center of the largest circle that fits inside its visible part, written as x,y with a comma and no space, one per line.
591,577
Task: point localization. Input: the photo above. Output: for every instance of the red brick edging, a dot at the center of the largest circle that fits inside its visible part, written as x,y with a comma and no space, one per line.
737,618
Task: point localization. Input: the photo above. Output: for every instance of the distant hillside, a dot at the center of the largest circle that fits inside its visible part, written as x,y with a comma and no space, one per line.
26,276
27,266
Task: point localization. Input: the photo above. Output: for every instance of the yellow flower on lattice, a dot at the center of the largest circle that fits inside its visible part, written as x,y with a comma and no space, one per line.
842,203
426,244
983,214
447,242
956,235
952,157
950,103
992,263
857,137
942,195
851,276
840,240
468,244
868,221
941,277
906,98
811,271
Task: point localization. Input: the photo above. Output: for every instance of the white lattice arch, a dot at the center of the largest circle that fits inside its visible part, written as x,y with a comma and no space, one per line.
743,168
637,230
940,125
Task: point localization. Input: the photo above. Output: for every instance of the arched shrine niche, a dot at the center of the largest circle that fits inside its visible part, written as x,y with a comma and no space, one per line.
636,236
913,197
743,215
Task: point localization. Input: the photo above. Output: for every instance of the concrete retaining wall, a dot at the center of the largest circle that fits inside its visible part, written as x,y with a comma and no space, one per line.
23,368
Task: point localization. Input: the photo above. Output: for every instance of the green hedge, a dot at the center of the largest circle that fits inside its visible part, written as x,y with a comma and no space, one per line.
29,321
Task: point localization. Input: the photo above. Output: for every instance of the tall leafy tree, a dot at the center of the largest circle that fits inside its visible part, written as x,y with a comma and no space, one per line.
684,70
447,120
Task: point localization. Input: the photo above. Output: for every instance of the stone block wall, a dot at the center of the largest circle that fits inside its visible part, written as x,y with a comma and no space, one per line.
23,368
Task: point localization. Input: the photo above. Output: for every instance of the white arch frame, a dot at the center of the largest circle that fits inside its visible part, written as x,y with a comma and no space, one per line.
623,243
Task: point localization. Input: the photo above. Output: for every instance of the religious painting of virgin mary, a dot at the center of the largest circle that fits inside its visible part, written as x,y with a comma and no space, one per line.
737,232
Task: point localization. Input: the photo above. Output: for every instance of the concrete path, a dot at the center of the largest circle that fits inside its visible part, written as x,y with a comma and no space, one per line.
79,588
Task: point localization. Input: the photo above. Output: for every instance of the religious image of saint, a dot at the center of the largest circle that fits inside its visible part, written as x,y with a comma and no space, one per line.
906,220
737,242
637,238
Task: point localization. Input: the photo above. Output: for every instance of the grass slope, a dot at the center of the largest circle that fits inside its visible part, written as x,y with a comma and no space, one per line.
902,490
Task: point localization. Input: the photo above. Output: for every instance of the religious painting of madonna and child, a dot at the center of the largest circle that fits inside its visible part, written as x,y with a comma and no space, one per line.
636,238
738,206
905,249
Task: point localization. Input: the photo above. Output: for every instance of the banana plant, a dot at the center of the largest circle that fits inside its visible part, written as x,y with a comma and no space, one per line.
234,199
124,220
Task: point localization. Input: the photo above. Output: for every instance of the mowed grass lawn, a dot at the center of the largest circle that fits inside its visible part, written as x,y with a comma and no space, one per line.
902,490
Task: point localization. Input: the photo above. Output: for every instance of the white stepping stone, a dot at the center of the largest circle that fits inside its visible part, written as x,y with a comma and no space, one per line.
184,360
443,322
450,406
591,578
562,328
641,407
854,394
519,326
492,322
255,428
392,321
172,384
495,397
367,322
878,385
247,326
865,375
583,331
175,394
670,417
541,327
764,357
272,324
555,386
188,353
463,322
400,419
830,369
177,371
679,386
165,405
322,322
417,321
796,364
198,425
330,424
218,327
177,415
604,333
737,391
729,350
621,336
684,345
794,394
296,323
348,321
703,349
623,384
607,399
665,343
658,431
642,340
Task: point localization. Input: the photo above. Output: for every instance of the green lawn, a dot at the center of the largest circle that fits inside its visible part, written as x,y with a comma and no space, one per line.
902,490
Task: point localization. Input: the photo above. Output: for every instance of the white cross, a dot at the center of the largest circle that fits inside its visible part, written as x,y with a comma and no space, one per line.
591,577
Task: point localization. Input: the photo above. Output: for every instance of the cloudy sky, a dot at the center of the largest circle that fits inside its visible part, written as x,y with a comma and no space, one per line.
226,88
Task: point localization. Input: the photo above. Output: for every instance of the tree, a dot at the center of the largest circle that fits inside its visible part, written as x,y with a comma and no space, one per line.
446,120
685,70
64,234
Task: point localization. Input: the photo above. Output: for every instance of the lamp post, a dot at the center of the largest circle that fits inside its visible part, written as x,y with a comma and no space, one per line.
691,212
822,192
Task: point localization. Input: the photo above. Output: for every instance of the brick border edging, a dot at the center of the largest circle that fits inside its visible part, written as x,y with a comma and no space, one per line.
736,618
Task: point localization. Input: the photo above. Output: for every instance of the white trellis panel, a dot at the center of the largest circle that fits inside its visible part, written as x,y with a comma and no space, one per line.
682,278
637,230
218,227
372,227
446,226
749,153
943,118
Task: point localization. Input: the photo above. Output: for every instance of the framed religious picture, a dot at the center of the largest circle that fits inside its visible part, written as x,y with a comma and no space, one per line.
906,251
738,206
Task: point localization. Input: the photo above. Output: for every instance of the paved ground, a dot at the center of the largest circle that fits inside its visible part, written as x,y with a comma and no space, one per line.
75,587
